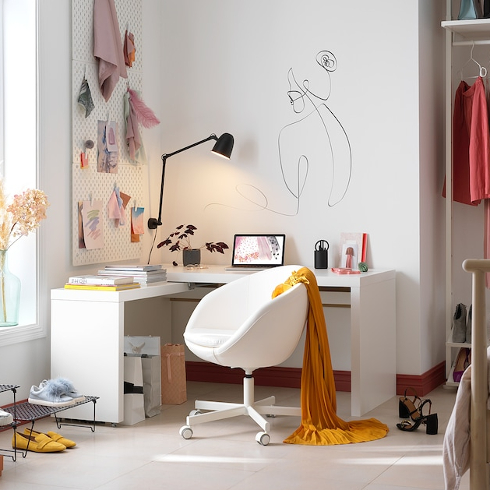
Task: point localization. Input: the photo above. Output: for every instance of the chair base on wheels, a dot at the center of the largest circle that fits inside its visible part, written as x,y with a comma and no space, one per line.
223,410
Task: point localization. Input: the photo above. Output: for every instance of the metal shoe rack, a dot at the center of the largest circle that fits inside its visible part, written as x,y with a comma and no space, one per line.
28,412
14,424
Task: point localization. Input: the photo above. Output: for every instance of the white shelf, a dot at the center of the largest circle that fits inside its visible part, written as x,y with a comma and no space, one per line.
458,344
467,32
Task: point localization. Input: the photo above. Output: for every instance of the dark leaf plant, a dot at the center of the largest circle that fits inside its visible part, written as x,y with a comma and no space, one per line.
180,239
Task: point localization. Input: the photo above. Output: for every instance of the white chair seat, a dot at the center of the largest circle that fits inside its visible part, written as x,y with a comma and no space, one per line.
207,338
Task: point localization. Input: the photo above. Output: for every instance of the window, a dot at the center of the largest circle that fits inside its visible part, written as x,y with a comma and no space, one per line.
18,146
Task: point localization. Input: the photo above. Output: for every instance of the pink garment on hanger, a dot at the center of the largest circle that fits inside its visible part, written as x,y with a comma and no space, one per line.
108,46
460,147
471,153
471,145
476,117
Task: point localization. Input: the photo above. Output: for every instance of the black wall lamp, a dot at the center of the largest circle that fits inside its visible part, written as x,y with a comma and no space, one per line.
223,147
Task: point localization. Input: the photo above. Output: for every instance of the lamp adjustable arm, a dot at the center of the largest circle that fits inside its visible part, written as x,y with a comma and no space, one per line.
152,222
226,138
210,137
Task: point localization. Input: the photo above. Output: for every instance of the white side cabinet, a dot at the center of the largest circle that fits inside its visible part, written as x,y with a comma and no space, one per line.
87,337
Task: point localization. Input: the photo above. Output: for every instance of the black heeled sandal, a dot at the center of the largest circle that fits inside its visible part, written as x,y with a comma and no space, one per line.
406,406
430,421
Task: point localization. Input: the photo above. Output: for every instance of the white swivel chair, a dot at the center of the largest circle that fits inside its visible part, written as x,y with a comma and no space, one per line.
240,325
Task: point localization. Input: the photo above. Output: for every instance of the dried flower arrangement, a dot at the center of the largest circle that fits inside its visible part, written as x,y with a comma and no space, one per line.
23,215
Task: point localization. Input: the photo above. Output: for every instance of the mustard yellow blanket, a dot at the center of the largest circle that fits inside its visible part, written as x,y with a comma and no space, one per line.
320,424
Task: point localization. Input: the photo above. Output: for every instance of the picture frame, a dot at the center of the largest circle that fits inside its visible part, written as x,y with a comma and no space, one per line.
352,250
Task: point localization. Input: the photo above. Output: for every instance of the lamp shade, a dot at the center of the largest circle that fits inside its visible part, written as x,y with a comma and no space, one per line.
224,145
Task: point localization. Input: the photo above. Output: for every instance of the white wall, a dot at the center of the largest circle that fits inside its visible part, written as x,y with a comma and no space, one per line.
430,327
220,66
228,72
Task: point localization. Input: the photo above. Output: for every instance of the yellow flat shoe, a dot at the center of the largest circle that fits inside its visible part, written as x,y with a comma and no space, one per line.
39,444
54,436
62,440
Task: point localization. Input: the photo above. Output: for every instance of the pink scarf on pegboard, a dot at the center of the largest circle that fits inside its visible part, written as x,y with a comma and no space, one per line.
108,46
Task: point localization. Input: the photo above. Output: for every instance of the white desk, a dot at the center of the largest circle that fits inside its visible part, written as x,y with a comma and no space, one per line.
87,330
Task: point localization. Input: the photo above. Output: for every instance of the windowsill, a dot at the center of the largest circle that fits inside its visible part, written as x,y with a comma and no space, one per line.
21,333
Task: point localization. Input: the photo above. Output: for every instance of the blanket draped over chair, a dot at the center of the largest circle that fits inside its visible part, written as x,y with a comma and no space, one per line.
320,424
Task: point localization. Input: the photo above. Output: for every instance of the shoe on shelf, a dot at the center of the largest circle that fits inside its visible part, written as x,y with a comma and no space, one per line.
39,444
406,406
461,363
459,324
52,435
431,421
468,325
5,418
49,394
68,389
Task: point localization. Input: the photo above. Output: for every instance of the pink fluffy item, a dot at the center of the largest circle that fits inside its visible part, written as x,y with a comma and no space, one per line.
143,113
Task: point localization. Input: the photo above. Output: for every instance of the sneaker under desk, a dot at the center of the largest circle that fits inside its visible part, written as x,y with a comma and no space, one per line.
29,412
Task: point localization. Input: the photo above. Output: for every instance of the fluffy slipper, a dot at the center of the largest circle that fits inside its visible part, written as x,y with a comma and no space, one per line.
67,388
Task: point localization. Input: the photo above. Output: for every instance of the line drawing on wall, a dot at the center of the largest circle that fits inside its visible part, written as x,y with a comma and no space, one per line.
337,153
331,147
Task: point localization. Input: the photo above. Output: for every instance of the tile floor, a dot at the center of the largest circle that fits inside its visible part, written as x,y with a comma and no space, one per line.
223,455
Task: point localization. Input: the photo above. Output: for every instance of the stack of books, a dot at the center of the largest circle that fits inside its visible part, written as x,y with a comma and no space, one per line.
142,274
102,283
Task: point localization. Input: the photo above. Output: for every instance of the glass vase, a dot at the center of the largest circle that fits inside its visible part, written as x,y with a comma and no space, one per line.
9,294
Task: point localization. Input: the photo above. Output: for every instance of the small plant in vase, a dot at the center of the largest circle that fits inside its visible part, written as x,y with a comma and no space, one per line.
180,239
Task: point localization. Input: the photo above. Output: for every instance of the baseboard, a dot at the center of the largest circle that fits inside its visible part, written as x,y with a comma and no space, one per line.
291,377
212,373
272,376
423,383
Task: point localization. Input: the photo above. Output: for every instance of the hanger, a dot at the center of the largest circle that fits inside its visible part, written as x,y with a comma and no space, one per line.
482,69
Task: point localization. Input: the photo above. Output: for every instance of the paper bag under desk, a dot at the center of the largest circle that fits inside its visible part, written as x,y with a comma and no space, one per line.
134,410
174,387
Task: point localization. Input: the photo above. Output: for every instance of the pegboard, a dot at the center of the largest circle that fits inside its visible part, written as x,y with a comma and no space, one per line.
87,183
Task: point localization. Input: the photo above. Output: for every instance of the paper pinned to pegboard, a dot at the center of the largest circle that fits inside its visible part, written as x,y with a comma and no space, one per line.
87,184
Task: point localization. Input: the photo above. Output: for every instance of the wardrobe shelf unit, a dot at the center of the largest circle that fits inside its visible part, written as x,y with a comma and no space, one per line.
458,33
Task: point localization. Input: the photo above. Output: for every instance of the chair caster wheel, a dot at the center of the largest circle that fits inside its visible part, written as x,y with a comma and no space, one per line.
263,438
195,412
186,432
